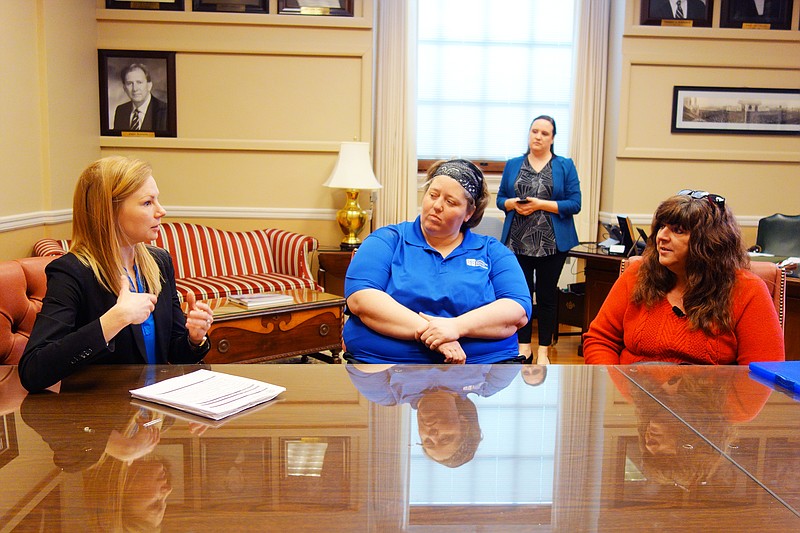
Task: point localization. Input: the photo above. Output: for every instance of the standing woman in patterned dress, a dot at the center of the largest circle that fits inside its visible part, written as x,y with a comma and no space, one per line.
540,192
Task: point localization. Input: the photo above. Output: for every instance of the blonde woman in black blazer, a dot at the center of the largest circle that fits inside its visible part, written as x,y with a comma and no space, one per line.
112,299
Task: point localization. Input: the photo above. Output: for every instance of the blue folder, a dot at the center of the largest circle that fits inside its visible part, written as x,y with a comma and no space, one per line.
783,373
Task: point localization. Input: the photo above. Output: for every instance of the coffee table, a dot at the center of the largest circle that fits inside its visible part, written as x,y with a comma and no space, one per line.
310,324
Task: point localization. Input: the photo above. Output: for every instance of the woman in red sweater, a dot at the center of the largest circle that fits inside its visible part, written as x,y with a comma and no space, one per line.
691,299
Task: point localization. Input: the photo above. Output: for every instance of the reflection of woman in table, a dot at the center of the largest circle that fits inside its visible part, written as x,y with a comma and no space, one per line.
711,403
449,428
126,484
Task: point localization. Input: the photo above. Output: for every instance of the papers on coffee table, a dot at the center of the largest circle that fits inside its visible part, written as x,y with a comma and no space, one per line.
209,394
260,300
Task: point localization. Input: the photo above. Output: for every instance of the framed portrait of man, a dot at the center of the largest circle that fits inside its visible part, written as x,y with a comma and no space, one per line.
231,6
756,14
676,12
163,5
336,8
137,93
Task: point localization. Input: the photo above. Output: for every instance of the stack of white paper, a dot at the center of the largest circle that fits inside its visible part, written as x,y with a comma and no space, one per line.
258,300
210,394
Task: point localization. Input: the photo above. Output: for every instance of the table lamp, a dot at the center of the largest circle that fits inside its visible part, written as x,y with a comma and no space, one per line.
353,171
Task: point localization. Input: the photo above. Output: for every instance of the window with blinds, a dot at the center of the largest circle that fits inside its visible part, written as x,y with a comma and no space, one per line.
485,70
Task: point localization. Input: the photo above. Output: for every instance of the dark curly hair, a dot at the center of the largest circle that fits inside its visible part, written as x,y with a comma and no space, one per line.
694,462
716,253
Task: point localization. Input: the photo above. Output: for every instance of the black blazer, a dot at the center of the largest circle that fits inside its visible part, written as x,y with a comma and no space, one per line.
154,120
660,9
67,333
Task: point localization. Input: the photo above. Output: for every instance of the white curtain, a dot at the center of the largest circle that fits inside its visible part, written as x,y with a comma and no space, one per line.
588,107
395,153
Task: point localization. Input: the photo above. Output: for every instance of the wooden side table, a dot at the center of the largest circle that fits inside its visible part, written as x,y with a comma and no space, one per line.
307,326
332,270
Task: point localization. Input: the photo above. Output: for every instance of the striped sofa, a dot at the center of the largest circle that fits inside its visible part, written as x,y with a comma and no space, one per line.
214,263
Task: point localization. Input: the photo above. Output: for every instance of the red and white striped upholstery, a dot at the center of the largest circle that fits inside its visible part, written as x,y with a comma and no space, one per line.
213,263
49,247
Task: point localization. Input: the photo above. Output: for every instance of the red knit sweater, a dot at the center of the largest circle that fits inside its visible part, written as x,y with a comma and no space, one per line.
624,333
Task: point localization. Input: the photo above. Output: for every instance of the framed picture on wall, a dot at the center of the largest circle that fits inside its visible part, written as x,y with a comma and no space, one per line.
338,8
137,93
676,12
9,448
756,14
163,5
735,110
231,6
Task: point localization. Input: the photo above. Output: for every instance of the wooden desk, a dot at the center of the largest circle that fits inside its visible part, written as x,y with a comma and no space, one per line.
601,270
366,474
311,324
332,269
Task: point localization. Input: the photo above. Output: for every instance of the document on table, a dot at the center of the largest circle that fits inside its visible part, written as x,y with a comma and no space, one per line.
210,394
160,412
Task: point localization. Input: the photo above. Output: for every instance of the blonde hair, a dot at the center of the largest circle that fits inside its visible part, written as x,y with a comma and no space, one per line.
107,485
96,235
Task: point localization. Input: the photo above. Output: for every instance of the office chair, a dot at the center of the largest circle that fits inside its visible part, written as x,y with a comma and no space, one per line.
774,277
779,235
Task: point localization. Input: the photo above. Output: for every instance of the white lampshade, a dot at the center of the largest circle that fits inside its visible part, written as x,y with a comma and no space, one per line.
353,169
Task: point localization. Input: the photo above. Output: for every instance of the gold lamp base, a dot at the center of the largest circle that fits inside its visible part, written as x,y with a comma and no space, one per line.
351,219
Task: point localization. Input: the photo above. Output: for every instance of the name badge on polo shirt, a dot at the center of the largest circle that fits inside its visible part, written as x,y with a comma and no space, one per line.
477,263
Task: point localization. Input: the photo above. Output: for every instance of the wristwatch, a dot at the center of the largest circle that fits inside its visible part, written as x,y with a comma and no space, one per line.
202,344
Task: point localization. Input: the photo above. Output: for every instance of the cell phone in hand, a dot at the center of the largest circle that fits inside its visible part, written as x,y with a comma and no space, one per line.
522,200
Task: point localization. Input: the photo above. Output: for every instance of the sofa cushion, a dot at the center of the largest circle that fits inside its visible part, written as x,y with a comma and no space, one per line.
24,284
199,251
221,286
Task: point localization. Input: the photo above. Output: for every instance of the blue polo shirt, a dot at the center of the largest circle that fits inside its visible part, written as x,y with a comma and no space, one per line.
408,384
397,260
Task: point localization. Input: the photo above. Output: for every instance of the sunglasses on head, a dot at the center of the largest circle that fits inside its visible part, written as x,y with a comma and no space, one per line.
713,199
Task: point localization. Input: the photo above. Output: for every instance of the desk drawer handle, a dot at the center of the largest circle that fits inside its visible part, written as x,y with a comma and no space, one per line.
324,329
223,346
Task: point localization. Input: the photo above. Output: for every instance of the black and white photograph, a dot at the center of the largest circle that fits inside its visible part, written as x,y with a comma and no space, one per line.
756,14
137,93
336,8
162,5
735,110
676,12
231,6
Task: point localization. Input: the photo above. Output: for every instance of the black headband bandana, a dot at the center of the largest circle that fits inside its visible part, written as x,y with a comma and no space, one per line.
465,173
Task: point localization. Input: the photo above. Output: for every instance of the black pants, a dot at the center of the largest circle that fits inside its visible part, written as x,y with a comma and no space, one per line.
547,270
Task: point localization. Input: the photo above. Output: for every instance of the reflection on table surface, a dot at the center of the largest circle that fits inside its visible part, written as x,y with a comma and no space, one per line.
395,448
756,428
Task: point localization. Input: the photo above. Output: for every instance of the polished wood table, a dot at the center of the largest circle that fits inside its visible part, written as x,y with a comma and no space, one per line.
575,448
310,324
601,270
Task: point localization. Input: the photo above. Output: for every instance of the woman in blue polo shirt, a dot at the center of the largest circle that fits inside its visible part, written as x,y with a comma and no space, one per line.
431,291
